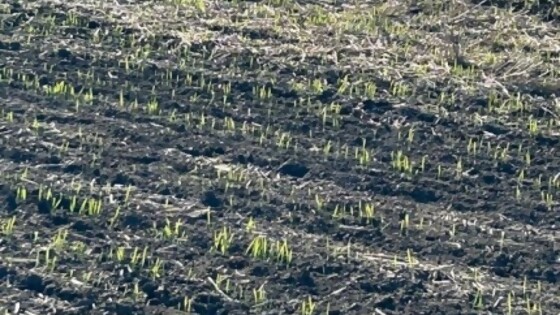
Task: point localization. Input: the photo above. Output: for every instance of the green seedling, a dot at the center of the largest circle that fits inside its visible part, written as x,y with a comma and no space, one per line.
7,226
258,248
283,252
259,295
21,194
307,306
156,269
478,300
172,230
222,240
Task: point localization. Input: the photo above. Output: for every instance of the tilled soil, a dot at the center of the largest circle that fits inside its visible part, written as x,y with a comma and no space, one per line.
465,231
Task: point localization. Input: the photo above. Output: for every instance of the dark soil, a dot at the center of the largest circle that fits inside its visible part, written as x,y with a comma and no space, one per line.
461,220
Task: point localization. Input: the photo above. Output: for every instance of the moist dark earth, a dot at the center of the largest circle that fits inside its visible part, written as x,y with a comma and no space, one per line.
174,154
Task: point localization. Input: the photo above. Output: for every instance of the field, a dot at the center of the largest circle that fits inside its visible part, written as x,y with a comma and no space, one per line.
279,157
